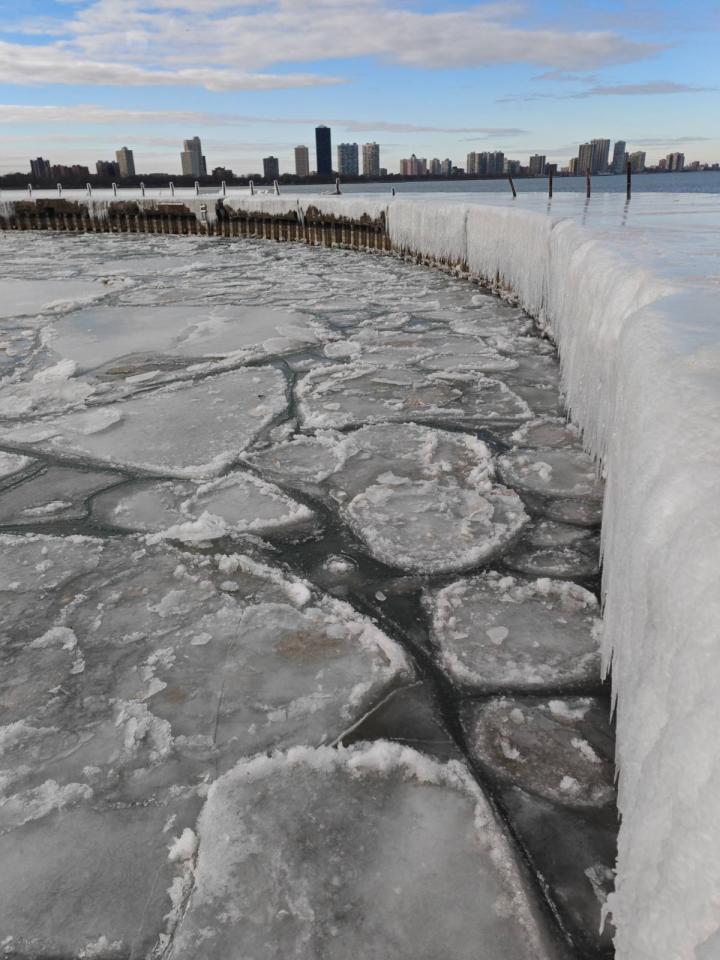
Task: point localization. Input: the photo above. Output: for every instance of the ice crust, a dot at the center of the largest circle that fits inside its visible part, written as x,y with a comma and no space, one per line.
131,677
496,632
421,869
165,431
196,513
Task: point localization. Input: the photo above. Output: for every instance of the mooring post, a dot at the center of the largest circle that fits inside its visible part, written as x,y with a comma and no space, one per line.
252,188
172,188
512,187
142,188
629,178
88,189
114,189
588,182
550,176
393,191
197,189
223,188
59,189
29,189
338,191
277,187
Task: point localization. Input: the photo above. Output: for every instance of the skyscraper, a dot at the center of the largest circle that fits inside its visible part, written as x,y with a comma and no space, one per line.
323,151
192,159
675,161
619,157
271,168
302,162
347,160
601,153
537,164
637,161
371,159
125,161
585,159
40,169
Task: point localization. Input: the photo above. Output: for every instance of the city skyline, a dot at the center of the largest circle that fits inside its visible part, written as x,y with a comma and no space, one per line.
436,79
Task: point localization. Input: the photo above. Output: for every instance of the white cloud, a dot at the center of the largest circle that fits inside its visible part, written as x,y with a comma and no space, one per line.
172,41
94,114
652,88
51,63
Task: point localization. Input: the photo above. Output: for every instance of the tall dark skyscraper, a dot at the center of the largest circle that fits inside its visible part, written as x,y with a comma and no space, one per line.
323,151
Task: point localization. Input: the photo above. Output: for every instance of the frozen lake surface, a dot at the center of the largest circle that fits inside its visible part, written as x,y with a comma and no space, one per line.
299,570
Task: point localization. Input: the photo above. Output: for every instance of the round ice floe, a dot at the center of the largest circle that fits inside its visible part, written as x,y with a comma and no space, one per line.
578,560
559,749
431,526
52,493
236,503
547,432
552,473
302,462
13,463
361,392
382,852
494,632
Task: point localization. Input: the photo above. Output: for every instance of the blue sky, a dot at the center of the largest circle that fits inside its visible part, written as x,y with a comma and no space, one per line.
79,78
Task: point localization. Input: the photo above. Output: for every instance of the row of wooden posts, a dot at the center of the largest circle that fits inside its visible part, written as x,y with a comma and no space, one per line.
313,228
588,183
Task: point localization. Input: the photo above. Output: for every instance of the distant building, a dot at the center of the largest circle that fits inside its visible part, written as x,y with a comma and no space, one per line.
222,173
323,151
601,155
537,164
126,162
348,163
637,161
40,169
585,157
371,160
676,161
302,161
573,166
413,167
60,172
271,168
446,168
512,167
192,159
107,168
383,171
619,157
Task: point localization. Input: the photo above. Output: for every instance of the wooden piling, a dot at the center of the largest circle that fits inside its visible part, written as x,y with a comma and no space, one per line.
629,179
550,184
588,183
512,187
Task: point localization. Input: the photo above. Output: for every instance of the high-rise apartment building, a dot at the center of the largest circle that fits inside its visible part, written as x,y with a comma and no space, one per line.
601,155
637,161
446,168
271,168
192,159
302,161
619,157
413,167
585,158
125,161
107,168
537,164
675,161
371,159
348,163
323,151
40,169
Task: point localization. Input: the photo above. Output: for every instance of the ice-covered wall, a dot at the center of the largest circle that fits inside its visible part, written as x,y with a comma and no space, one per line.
640,352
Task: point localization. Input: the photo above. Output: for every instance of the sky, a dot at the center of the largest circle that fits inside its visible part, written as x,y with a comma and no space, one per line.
81,78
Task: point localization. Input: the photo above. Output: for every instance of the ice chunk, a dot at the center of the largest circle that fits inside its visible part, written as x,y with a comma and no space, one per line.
359,392
57,493
562,484
420,868
547,432
51,389
99,334
551,639
28,298
12,464
579,560
182,510
189,430
302,462
561,750
432,526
